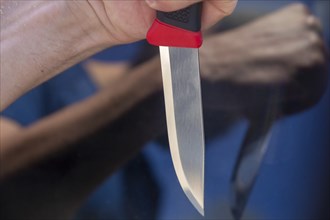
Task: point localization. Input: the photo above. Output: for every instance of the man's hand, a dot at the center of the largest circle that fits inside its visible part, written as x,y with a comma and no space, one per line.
128,21
281,54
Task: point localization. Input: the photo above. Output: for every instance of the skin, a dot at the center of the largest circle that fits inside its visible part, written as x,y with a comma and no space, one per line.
46,46
88,141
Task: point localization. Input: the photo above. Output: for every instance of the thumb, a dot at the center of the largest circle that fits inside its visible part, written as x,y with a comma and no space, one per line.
170,5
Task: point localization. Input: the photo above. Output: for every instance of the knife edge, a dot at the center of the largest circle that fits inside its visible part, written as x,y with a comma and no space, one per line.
193,190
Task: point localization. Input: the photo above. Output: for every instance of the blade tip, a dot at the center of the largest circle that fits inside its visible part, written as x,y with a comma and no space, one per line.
202,212
197,202
200,209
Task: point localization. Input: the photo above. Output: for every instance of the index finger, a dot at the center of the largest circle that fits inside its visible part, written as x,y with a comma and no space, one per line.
216,10
213,10
170,5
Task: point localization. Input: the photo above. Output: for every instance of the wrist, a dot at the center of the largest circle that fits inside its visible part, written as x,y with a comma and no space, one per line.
88,24
217,64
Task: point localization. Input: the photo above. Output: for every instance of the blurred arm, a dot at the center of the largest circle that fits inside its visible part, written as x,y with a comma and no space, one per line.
68,126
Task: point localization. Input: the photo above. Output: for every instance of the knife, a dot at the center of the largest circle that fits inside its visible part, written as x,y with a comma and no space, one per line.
178,36
251,155
248,164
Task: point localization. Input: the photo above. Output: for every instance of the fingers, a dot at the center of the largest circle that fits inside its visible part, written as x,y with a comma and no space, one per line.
314,24
170,5
213,10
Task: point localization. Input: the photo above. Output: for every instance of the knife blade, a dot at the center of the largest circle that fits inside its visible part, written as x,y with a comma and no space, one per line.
248,164
178,36
251,155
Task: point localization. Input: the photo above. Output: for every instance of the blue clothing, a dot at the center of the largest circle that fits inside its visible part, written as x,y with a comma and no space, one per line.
65,89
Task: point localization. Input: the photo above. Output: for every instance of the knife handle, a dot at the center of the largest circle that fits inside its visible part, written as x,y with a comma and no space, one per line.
177,29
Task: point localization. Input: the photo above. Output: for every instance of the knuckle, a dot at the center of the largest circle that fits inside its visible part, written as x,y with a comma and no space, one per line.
225,7
314,23
159,5
314,38
230,7
313,53
300,7
318,58
168,6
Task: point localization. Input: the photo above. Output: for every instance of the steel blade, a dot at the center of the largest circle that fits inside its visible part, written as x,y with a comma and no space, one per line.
181,81
248,165
251,155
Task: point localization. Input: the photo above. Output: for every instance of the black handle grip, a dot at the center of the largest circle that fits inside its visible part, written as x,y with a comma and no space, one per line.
188,18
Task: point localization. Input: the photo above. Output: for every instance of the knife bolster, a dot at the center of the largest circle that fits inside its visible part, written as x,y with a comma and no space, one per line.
162,34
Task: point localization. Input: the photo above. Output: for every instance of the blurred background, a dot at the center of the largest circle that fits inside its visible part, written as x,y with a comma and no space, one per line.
293,181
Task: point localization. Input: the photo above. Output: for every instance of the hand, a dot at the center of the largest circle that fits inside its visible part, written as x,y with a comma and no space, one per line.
128,21
279,56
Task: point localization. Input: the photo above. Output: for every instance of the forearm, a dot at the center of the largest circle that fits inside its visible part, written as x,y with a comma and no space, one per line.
69,126
41,38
